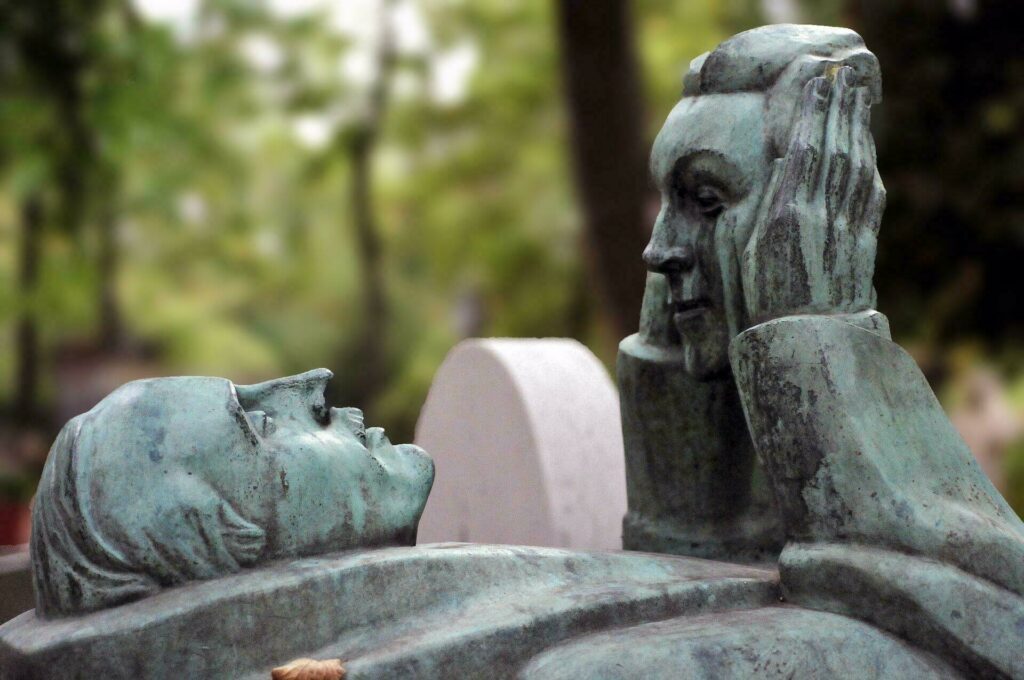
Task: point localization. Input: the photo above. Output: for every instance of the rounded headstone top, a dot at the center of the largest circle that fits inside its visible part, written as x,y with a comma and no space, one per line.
528,444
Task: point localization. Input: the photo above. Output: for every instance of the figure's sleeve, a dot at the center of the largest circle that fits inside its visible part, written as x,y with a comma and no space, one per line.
888,515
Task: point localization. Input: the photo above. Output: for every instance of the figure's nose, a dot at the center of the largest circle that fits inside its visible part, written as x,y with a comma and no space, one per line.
674,260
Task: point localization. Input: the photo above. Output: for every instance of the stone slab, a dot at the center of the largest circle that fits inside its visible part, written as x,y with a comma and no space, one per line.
427,611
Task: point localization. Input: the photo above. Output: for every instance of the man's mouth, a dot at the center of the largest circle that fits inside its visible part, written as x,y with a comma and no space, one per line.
688,309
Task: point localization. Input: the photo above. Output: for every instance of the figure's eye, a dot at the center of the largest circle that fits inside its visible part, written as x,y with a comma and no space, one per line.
261,422
708,200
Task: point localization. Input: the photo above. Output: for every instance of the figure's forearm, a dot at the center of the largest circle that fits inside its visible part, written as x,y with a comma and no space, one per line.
888,517
858,449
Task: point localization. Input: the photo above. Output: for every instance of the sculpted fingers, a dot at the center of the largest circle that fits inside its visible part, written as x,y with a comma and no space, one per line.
834,185
868,213
867,243
803,159
770,205
862,157
751,258
813,245
839,140
875,207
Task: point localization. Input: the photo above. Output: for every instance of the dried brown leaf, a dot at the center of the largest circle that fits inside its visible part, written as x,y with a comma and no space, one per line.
309,669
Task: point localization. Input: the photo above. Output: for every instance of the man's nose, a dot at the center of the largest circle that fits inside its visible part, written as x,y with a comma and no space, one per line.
674,260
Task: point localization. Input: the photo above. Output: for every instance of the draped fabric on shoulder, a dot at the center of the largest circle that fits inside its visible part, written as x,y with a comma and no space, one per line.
889,517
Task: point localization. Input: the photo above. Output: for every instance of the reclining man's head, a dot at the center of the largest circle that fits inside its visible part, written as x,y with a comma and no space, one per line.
171,480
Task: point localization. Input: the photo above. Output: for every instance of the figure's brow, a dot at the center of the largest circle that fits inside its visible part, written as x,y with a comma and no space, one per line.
706,165
652,171
658,169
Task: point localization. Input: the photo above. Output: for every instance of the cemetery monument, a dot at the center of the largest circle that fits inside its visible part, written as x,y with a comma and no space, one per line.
188,527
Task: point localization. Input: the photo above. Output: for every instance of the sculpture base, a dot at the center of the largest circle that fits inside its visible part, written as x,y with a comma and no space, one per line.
748,539
443,610
395,612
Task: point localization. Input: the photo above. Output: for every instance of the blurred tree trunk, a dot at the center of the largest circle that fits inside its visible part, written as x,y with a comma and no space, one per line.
950,135
370,355
603,94
107,264
27,336
64,71
371,346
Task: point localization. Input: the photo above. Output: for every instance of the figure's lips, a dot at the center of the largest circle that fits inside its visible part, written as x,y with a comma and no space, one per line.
685,310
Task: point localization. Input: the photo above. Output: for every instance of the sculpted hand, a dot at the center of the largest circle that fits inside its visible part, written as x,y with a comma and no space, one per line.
813,245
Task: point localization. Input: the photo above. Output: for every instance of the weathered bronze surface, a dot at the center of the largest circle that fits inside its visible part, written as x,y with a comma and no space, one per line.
191,528
172,480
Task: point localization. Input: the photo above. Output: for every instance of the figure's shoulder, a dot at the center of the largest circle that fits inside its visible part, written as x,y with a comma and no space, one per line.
806,330
839,351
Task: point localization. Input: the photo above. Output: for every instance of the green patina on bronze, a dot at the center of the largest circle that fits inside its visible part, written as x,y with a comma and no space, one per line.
171,480
693,483
190,527
755,223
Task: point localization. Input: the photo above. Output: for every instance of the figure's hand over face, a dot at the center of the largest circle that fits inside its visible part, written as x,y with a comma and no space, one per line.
813,245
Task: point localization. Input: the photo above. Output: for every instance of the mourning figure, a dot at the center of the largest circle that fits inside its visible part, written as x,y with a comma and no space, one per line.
763,255
770,205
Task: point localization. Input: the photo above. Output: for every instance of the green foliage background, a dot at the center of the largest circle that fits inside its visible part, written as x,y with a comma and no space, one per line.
235,238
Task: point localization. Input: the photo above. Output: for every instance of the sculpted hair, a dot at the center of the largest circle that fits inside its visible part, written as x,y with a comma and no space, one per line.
73,568
104,532
778,61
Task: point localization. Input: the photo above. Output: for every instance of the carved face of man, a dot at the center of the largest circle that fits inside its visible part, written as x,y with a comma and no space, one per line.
711,162
335,483
177,479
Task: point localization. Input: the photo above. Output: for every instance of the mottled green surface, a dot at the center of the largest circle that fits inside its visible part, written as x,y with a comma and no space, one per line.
769,642
693,484
770,204
973,623
447,610
889,516
171,480
770,200
901,559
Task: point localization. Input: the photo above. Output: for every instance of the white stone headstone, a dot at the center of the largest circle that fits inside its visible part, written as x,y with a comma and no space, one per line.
527,444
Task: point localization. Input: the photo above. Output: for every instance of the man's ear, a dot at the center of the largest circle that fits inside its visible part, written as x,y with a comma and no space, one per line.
204,536
243,539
